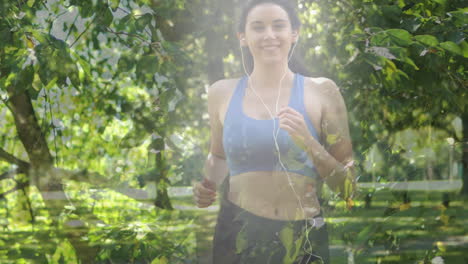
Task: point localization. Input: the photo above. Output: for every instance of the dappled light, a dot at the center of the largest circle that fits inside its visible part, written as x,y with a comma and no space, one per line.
107,129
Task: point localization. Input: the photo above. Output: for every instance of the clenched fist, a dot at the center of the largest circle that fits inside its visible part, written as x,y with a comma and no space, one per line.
204,193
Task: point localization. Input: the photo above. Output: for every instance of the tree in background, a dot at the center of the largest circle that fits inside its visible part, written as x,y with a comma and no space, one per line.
112,93
400,64
87,91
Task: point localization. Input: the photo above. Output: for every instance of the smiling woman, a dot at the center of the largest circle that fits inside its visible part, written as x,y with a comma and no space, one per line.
267,131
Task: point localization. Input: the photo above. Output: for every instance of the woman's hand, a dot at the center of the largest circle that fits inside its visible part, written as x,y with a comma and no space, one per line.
293,122
204,193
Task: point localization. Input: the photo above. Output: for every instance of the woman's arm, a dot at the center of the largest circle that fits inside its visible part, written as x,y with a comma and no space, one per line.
215,168
215,165
334,159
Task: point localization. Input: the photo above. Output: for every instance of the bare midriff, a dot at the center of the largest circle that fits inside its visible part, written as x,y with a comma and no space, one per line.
270,194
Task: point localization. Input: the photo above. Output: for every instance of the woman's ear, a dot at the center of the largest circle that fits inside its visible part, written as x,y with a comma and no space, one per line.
242,41
295,35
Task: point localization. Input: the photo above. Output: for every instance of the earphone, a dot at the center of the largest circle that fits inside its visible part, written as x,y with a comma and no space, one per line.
275,137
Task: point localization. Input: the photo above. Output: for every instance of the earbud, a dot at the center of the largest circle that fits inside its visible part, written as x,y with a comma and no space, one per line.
296,35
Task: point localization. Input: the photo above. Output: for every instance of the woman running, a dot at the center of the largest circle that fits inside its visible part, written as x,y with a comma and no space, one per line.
279,135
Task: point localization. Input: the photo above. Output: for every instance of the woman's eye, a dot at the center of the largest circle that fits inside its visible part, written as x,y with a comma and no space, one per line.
258,28
279,26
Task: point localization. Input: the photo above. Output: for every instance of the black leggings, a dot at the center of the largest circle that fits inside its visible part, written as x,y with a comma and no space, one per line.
245,238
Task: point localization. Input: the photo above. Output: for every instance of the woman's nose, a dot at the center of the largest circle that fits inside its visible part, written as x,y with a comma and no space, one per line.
269,33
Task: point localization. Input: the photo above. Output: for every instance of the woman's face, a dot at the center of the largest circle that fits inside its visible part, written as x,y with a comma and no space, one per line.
268,33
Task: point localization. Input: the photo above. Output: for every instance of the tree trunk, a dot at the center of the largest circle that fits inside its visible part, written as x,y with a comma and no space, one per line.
464,190
429,170
42,173
162,197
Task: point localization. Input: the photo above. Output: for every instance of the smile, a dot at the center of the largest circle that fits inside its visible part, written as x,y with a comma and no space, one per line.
270,47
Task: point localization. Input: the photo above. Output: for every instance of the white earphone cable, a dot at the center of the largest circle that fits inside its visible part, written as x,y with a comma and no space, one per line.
275,138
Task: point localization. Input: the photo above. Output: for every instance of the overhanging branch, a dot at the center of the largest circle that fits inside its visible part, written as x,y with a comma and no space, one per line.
93,178
18,186
23,165
101,181
8,174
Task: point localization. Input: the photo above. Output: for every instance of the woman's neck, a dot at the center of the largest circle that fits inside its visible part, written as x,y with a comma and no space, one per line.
265,78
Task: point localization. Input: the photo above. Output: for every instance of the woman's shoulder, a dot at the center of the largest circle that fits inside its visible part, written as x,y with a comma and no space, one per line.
323,87
223,87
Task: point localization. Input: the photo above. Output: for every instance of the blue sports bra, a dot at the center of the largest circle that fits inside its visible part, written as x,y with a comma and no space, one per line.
249,144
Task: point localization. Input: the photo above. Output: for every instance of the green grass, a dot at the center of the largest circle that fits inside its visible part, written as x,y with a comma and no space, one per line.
408,234
387,232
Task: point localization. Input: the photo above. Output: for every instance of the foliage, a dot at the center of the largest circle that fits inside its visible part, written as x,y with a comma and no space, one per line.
88,89
396,57
111,94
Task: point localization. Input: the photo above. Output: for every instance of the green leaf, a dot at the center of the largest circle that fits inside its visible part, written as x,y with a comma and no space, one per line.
134,138
456,36
177,96
162,260
86,8
464,48
377,62
442,2
452,47
74,77
460,17
427,40
380,39
291,244
411,24
402,73
147,66
105,17
42,53
83,63
24,79
114,4
123,23
391,12
125,63
364,235
400,36
398,52
143,21
241,241
409,61
55,61
39,36
51,83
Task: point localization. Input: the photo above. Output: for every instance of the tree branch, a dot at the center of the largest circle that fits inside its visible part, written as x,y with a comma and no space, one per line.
71,27
92,178
23,165
8,174
18,186
129,35
84,31
101,181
